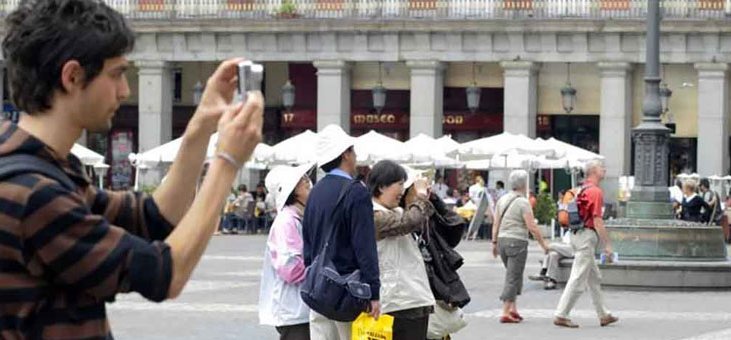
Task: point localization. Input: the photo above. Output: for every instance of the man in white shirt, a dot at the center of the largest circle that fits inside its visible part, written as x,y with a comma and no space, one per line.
440,188
476,190
676,192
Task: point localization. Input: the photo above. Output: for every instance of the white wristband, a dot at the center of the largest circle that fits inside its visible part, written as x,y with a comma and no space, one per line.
228,158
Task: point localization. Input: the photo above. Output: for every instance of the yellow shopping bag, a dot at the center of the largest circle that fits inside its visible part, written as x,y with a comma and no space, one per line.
365,327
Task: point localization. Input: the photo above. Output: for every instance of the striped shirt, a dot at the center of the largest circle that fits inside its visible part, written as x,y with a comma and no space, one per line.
63,254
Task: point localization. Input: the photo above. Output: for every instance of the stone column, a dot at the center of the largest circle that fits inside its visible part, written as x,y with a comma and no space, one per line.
521,97
333,94
615,124
427,98
713,139
155,104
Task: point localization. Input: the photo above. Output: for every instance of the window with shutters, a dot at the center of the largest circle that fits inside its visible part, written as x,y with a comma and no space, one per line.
422,4
517,4
330,5
615,5
240,5
711,5
151,5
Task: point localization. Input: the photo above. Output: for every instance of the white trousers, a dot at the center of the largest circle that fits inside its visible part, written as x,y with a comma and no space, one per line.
322,328
584,273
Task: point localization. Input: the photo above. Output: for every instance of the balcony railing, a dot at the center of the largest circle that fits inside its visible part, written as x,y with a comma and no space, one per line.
408,9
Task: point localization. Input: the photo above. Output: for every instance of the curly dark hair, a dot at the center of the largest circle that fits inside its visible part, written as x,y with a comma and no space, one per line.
43,35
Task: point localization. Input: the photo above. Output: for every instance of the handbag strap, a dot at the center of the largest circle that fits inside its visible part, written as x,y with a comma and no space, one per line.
507,207
343,191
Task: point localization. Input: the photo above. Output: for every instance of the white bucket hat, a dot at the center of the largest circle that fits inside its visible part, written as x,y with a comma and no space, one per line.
332,143
283,179
411,176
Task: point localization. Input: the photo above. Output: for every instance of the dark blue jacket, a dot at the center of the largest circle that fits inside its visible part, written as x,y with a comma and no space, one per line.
354,243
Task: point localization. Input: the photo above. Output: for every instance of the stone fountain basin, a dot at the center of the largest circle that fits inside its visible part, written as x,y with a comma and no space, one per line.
664,254
666,240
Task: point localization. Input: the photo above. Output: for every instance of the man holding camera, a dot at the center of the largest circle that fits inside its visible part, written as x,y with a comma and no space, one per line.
69,247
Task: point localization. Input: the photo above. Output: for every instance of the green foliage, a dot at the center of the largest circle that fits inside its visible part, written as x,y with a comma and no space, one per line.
148,189
287,8
545,209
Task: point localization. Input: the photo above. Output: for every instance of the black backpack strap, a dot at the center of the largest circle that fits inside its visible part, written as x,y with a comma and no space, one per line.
343,191
18,164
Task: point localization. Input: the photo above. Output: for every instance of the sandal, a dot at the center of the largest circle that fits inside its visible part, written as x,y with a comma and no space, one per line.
508,319
562,322
517,316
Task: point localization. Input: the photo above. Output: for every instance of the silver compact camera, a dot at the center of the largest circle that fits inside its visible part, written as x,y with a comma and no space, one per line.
250,77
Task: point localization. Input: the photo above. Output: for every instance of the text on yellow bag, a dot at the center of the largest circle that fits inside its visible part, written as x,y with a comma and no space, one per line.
365,327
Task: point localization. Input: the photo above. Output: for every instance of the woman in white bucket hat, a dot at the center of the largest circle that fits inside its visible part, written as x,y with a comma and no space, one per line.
280,304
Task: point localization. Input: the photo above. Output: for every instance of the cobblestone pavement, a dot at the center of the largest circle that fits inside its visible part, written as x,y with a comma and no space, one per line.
220,302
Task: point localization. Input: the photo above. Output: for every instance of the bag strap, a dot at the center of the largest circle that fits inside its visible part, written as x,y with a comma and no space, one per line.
18,164
343,191
507,207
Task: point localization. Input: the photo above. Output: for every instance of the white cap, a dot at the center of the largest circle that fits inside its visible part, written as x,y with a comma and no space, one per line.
411,176
283,179
333,141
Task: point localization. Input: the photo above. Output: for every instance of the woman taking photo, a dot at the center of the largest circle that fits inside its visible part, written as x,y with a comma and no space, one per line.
280,304
405,292
513,220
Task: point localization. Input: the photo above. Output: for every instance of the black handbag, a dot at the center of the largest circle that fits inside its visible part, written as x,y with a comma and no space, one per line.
335,296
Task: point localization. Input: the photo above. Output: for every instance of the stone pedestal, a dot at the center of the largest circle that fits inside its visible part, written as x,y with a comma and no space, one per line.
651,198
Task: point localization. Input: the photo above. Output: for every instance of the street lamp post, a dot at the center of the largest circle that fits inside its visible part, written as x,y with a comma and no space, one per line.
651,137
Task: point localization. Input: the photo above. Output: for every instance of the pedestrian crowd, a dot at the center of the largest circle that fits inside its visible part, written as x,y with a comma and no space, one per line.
385,243
695,201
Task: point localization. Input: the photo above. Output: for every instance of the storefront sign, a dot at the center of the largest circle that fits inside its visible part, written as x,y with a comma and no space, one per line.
453,120
394,120
299,119
374,119
458,121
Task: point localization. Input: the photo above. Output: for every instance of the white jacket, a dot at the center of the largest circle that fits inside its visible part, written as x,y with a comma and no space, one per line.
280,303
404,284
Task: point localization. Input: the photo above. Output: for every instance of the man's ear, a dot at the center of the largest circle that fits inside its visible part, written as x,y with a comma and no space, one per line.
72,76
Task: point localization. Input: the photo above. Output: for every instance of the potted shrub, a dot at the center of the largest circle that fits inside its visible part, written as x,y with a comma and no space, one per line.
287,10
545,211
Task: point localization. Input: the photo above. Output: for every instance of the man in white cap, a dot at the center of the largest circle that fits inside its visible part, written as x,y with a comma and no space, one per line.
354,241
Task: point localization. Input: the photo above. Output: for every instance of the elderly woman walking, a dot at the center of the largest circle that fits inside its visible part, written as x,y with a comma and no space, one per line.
405,292
513,220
